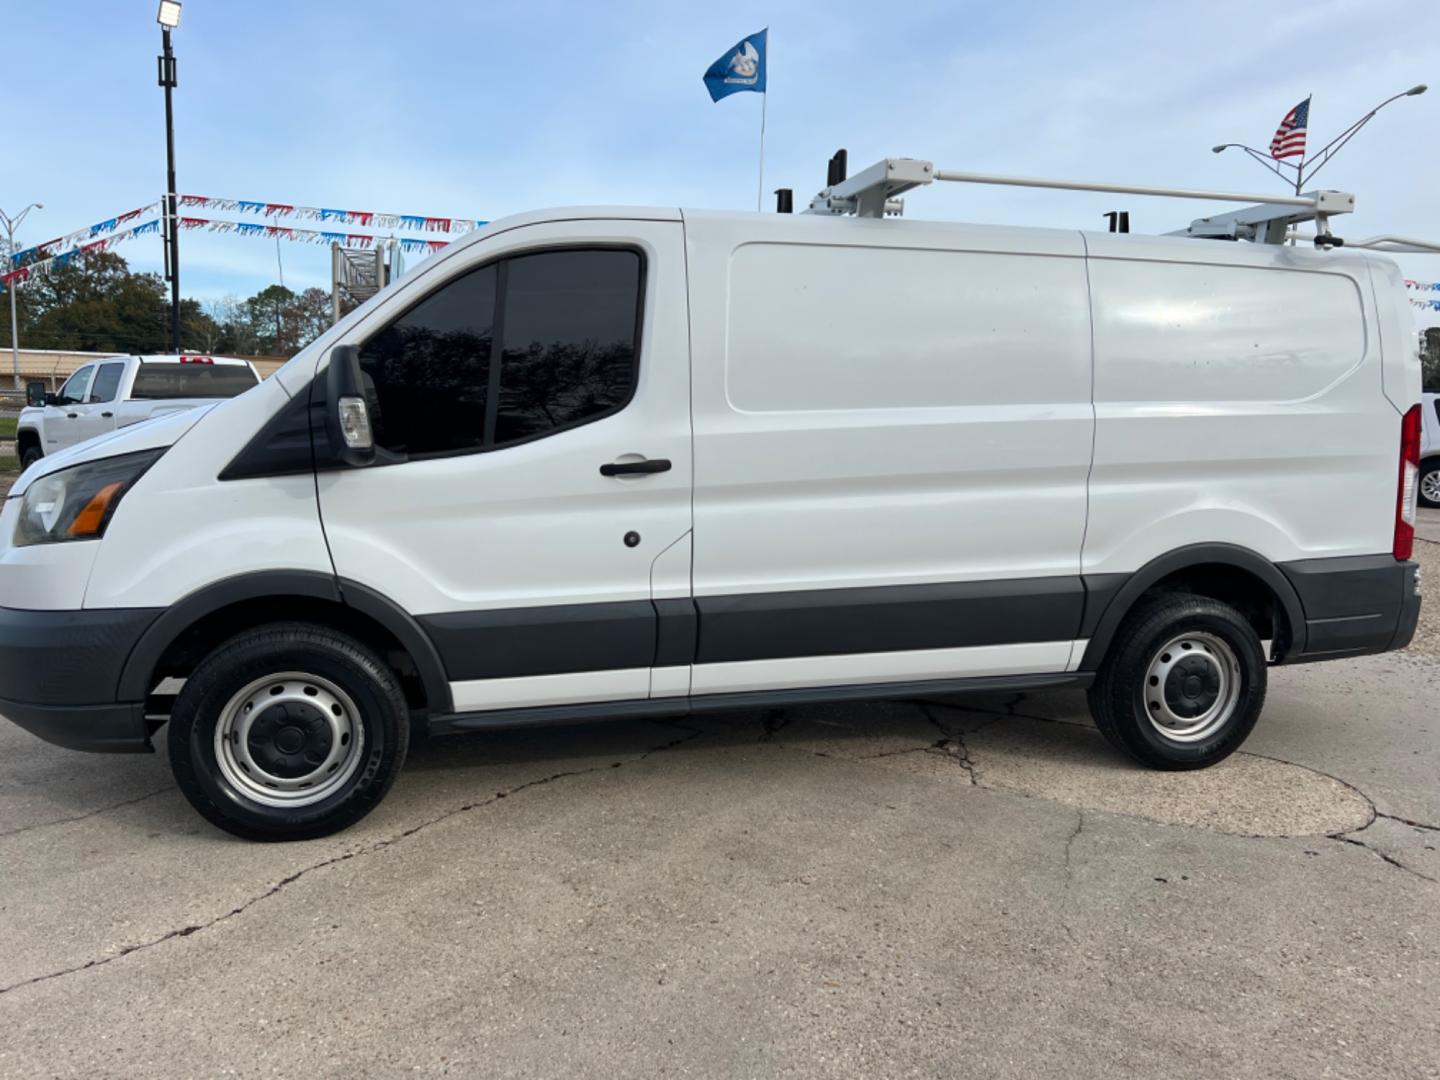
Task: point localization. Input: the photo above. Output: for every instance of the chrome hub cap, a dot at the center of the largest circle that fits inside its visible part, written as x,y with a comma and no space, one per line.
1191,687
289,740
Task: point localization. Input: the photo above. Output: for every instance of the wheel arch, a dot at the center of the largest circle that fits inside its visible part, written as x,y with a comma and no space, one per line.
209,615
1224,565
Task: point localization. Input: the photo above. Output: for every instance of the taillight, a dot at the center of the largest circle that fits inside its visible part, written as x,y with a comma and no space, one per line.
1409,481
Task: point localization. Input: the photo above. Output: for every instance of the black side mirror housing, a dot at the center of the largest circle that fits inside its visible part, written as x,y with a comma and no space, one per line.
347,416
35,395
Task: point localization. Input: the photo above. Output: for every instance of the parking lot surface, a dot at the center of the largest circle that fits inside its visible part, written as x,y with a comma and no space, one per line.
962,886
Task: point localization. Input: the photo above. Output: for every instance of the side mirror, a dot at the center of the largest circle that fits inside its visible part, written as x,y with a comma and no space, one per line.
347,417
35,395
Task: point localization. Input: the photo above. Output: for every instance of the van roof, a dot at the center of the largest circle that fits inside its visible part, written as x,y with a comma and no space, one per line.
908,230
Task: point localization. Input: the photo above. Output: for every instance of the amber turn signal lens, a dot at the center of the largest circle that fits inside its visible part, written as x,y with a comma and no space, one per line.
87,522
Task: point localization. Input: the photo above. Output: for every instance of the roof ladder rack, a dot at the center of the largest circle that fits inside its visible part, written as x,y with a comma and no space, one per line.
872,194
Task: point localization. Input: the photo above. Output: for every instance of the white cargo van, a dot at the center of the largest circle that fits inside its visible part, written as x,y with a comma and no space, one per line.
603,462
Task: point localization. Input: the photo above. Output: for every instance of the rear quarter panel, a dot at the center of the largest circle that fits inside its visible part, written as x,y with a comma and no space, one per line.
1238,399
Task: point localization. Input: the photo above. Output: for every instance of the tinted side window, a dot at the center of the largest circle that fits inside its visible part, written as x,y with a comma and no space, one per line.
73,392
430,369
107,382
570,324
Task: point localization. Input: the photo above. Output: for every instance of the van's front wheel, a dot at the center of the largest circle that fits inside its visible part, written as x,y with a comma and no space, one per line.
1183,683
288,732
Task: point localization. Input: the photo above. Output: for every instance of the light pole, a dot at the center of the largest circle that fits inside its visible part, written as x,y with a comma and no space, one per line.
169,18
11,224
1305,171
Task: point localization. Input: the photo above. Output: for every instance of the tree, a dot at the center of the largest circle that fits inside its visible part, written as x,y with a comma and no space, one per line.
312,314
93,303
266,313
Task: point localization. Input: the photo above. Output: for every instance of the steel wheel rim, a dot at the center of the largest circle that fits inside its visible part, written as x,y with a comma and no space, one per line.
1430,485
289,740
1191,688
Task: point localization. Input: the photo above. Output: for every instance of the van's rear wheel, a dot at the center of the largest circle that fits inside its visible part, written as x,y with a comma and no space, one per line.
1183,683
1430,482
288,732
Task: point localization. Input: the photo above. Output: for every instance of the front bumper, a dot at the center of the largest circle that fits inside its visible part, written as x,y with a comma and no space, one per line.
1354,605
60,675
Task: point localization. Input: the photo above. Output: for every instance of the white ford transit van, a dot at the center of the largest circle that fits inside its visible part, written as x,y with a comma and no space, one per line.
605,462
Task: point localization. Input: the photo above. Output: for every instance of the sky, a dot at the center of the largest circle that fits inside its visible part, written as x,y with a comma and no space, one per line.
457,108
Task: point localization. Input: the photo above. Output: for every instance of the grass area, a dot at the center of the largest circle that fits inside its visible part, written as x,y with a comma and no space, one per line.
7,426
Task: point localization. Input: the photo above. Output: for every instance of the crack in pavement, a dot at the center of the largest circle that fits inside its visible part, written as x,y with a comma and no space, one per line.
952,744
1344,839
1070,843
1349,837
1070,873
380,845
82,817
1407,821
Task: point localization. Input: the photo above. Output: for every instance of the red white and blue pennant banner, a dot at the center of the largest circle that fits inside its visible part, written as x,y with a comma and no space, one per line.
42,267
367,218
79,237
310,236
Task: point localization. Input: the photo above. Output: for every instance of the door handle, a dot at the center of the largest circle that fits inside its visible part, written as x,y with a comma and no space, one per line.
108,415
635,468
72,416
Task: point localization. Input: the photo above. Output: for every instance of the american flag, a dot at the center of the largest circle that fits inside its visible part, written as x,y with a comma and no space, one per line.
1289,140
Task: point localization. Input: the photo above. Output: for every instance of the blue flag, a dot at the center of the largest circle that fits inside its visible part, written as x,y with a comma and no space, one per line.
741,68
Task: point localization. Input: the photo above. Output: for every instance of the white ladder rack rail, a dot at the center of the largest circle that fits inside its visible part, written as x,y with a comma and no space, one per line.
872,192
1402,244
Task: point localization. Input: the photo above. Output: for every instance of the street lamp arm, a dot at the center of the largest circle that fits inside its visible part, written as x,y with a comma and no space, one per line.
1263,159
1333,147
11,224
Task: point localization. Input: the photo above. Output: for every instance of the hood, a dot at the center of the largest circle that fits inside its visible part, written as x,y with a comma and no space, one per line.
163,430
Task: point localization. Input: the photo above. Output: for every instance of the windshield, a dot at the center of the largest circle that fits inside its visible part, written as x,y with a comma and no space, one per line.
163,381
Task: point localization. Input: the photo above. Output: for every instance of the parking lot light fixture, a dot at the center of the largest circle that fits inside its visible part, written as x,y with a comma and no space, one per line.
169,18
11,224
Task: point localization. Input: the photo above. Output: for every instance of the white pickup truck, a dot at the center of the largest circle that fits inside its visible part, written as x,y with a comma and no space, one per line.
118,391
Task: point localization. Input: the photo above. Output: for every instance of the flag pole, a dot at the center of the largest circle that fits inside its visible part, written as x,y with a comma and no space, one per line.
760,183
1300,168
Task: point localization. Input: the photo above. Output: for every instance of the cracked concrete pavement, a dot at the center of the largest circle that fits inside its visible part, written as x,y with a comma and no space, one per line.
956,886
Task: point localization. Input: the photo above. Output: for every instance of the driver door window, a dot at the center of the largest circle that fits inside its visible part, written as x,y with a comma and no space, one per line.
567,327
76,387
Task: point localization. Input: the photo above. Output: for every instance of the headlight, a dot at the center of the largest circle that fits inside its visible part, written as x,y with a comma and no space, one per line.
77,503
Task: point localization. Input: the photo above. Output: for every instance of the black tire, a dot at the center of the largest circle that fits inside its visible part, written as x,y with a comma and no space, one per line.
1227,658
31,455
292,656
1429,475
